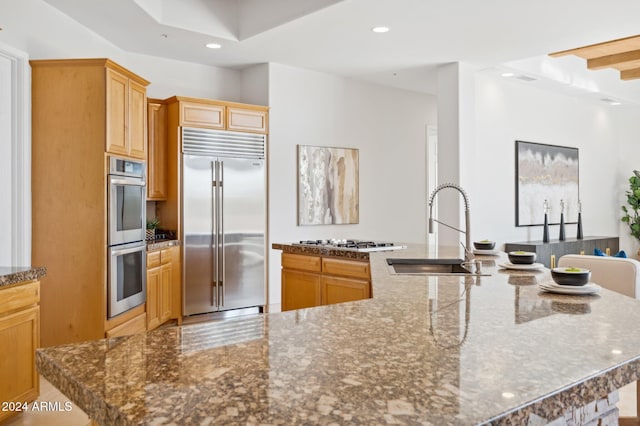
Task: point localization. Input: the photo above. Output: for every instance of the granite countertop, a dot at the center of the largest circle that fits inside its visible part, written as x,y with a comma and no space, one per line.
321,251
16,274
161,244
441,350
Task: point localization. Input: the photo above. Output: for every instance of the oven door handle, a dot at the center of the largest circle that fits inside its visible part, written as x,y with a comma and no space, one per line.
120,252
124,181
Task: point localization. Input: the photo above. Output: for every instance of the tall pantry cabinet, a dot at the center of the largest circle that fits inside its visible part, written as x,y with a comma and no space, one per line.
82,111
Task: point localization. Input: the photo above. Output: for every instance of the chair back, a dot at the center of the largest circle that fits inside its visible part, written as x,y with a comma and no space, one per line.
618,274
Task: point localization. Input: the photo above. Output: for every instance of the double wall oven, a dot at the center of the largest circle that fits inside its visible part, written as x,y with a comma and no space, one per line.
126,278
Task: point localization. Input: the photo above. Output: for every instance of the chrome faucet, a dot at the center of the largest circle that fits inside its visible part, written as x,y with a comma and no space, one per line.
468,255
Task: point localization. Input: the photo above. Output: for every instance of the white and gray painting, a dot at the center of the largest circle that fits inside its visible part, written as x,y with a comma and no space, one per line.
546,172
327,185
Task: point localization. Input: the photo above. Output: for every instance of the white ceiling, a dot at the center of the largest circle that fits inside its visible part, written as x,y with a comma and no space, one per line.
335,36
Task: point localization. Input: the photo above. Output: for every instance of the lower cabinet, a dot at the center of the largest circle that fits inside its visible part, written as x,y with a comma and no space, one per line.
19,339
315,280
135,325
162,273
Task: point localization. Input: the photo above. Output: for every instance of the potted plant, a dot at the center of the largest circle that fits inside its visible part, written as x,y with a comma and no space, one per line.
632,212
152,225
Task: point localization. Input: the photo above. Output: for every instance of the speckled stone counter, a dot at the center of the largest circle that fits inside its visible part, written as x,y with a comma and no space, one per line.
161,244
15,274
439,350
320,251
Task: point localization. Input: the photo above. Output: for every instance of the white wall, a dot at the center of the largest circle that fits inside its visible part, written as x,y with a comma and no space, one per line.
6,180
388,126
605,136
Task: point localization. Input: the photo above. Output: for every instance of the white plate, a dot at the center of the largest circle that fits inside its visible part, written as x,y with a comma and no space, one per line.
589,288
491,252
523,267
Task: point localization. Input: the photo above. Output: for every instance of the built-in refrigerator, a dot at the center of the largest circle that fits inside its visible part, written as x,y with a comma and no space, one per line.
223,220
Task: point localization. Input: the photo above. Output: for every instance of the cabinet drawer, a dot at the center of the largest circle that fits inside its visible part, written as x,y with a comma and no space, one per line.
347,268
153,259
246,120
202,115
134,325
301,262
19,296
166,256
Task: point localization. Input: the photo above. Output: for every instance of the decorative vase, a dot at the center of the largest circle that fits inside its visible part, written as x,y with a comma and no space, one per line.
545,229
561,235
579,236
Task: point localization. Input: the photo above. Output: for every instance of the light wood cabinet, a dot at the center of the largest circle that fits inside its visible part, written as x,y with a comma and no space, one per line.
246,120
137,324
220,115
156,150
19,339
162,288
126,118
309,280
79,108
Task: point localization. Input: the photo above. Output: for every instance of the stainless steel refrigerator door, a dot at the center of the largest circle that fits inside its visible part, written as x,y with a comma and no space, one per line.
198,222
243,222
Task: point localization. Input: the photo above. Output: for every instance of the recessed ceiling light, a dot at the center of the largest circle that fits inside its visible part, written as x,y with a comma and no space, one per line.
507,74
380,29
213,45
507,395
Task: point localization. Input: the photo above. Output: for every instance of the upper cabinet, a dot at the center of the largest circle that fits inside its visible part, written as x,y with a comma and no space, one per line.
157,150
220,115
126,114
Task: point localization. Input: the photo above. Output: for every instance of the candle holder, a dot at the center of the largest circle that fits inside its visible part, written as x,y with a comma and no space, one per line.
545,229
579,235
561,235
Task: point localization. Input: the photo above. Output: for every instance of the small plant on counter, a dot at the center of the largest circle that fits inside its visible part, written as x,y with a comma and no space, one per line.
632,212
152,225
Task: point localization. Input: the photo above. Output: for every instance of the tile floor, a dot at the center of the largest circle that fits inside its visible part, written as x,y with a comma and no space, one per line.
76,417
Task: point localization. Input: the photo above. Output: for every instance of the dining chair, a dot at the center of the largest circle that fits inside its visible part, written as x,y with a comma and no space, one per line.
618,274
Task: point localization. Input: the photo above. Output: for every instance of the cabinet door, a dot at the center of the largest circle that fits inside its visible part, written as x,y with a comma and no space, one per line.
246,120
137,123
339,290
153,293
117,113
201,115
157,152
300,290
135,325
19,338
165,293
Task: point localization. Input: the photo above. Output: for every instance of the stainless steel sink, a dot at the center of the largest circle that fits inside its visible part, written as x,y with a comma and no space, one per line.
428,266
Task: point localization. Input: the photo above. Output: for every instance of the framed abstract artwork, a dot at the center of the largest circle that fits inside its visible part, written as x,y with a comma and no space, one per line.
546,172
328,185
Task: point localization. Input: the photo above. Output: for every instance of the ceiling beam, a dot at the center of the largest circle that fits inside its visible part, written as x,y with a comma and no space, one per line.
613,61
632,74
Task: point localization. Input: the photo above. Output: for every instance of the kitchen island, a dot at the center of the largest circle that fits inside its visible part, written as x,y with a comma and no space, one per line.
424,350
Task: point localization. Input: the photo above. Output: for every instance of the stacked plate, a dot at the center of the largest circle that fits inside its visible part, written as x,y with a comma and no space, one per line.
521,267
551,286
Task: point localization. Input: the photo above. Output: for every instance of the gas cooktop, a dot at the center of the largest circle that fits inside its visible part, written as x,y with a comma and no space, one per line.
352,245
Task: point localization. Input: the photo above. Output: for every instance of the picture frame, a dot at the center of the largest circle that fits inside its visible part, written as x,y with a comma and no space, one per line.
328,185
546,172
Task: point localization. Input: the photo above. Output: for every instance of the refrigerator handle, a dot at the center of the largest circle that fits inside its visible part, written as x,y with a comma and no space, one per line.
214,233
221,261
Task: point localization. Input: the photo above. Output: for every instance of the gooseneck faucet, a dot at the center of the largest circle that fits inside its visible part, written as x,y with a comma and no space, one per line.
468,256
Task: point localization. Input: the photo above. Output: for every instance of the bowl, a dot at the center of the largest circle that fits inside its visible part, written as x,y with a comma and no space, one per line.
571,276
522,257
484,245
